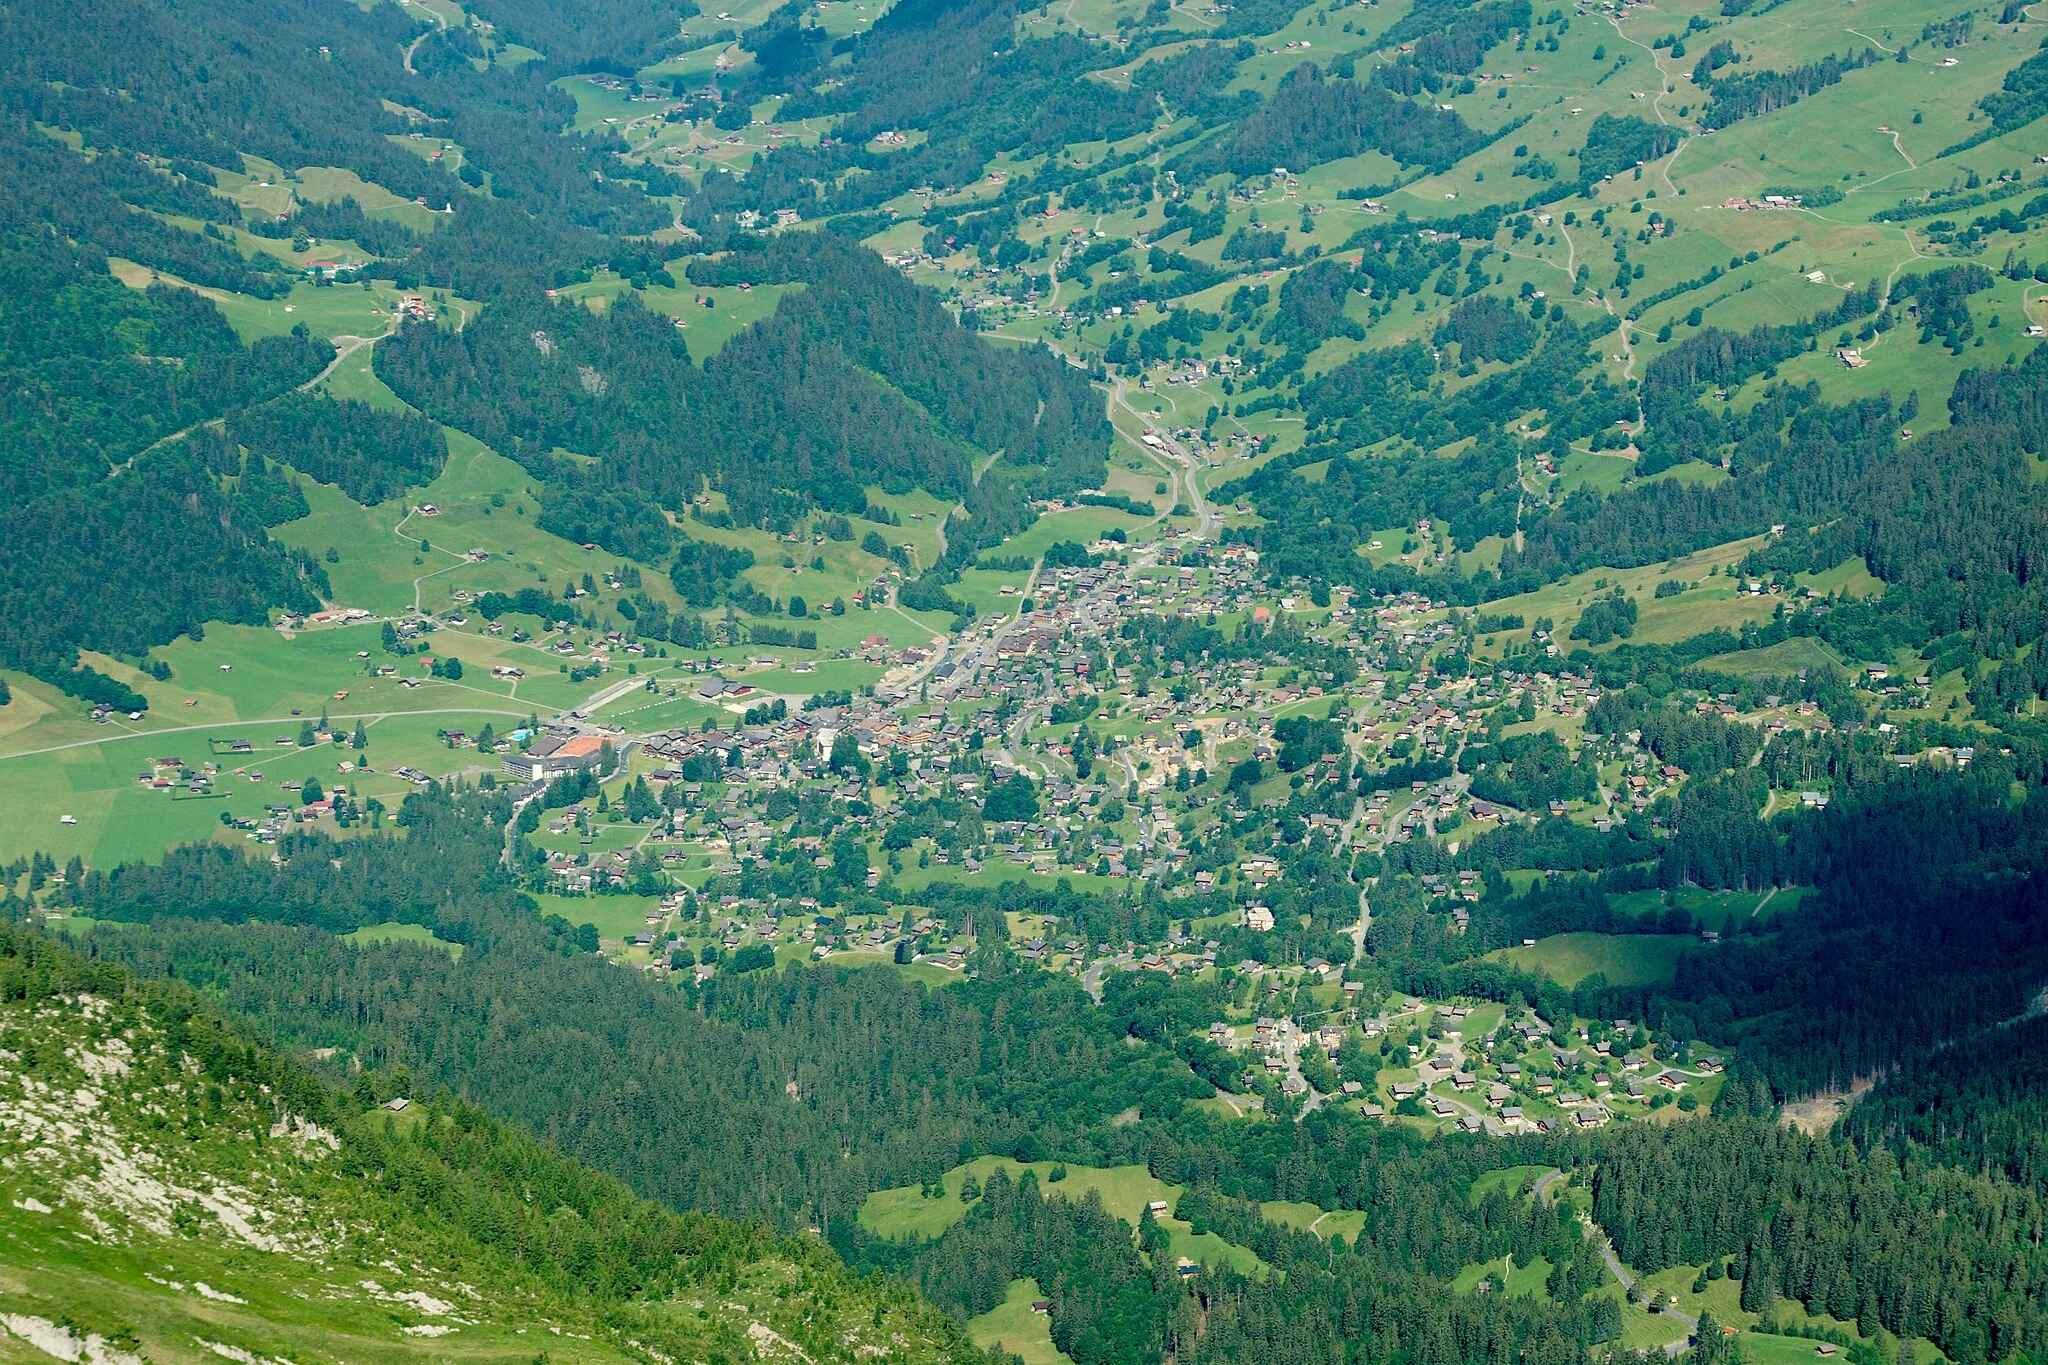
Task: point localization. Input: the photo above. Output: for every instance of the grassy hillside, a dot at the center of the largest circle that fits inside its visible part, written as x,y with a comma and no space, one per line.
1624,959
907,1213
1016,1327
173,1193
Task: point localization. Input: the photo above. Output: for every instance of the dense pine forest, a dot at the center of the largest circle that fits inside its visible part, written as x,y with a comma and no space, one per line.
1974,1106
802,412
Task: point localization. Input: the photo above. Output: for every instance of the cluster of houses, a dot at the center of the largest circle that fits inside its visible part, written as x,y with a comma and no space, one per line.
1766,201
1156,731
173,774
1517,1078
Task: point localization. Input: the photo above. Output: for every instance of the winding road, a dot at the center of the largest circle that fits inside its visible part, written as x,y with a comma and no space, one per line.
441,26
1188,466
1542,1191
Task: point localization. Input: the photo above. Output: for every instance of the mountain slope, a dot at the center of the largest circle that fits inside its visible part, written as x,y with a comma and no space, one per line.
172,1192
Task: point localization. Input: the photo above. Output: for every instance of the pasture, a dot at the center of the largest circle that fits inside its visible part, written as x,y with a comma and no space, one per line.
116,816
617,917
1082,525
1014,1328
904,1213
1778,660
1523,1281
711,315
391,931
354,377
330,184
1624,959
485,505
1345,1223
1716,910
326,310
1515,1180
1710,599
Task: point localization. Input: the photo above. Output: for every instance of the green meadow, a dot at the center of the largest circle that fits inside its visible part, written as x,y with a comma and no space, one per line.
325,310
1014,1328
711,315
905,1213
329,184
1717,910
1345,1223
1523,1281
616,917
393,932
114,816
1515,1180
1624,959
1710,599
354,376
484,503
1774,661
